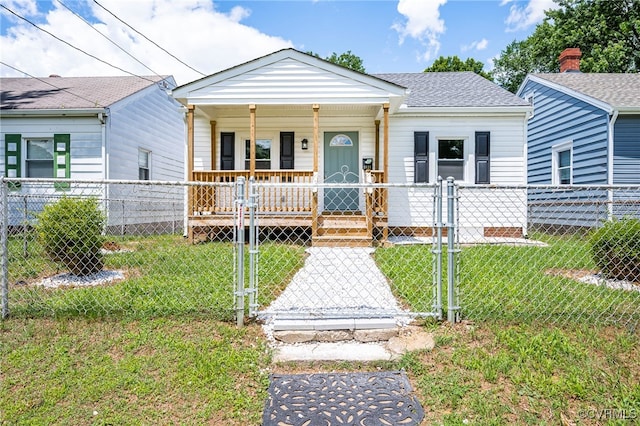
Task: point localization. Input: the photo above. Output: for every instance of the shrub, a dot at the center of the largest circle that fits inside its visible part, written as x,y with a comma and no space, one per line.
616,249
71,233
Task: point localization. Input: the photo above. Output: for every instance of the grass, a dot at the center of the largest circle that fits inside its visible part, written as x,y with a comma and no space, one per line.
159,348
166,275
193,371
515,283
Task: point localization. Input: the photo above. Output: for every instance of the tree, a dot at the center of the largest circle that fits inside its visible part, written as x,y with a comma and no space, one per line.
453,63
347,60
606,31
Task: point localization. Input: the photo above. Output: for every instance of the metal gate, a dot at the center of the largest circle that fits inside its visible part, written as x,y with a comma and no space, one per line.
298,262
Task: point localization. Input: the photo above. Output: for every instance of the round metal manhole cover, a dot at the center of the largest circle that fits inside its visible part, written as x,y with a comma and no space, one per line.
363,399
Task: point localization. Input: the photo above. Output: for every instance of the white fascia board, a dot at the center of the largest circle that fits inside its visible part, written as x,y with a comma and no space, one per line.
290,101
560,88
522,86
58,112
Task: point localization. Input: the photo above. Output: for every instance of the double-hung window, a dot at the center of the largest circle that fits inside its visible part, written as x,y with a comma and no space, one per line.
562,164
38,157
263,154
451,158
144,164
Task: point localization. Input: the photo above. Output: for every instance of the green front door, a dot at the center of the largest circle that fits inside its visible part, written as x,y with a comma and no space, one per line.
341,166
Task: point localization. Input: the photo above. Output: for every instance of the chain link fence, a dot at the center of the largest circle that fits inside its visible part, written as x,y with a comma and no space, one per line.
353,260
141,262
577,259
300,249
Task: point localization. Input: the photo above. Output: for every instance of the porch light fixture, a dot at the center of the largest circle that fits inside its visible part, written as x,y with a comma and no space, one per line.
305,143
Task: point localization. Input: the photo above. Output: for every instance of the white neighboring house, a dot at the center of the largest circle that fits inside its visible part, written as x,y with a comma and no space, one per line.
93,128
292,117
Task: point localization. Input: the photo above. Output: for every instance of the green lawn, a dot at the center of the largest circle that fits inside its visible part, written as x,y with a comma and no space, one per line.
515,283
159,347
165,275
193,371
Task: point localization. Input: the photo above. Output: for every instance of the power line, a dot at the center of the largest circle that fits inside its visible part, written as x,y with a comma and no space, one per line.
112,42
71,45
149,40
53,85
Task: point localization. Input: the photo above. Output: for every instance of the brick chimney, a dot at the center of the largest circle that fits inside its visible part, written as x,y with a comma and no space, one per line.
570,60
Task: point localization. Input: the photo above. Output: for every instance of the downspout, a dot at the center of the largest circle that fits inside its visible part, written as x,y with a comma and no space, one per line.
525,158
610,150
102,118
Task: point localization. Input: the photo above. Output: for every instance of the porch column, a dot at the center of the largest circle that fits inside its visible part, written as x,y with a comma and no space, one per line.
190,146
190,140
376,157
316,135
316,150
213,144
252,143
385,142
385,193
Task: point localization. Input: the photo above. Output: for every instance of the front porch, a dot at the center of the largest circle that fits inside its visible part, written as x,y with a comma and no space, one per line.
288,202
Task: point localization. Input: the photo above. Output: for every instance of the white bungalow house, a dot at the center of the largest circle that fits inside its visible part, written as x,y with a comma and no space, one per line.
92,128
292,117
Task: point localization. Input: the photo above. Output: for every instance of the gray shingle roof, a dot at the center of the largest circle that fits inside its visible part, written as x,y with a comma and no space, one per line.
617,90
70,92
452,89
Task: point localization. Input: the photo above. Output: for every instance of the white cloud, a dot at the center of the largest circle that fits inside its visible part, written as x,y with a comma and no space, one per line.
422,23
523,17
476,45
192,30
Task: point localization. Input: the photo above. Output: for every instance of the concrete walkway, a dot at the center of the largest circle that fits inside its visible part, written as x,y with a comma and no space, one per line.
339,283
338,291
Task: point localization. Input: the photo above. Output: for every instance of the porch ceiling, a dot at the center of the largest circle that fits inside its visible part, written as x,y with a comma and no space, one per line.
233,111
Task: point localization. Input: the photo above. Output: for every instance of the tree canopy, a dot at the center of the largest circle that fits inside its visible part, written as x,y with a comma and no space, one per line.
606,31
346,59
453,63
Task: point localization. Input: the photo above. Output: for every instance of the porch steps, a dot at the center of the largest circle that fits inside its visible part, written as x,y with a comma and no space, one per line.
342,231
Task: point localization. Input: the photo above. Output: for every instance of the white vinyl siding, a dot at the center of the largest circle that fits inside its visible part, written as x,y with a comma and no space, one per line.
507,164
152,121
292,82
507,145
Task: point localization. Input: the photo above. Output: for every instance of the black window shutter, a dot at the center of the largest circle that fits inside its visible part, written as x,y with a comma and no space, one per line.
483,143
421,156
227,151
286,150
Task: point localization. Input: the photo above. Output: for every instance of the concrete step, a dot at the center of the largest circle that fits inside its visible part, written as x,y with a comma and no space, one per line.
342,241
334,324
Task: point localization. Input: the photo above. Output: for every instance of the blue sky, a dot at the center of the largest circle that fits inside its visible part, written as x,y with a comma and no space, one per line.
389,35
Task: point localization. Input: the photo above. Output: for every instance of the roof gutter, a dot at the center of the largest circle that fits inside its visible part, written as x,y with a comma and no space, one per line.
71,112
453,110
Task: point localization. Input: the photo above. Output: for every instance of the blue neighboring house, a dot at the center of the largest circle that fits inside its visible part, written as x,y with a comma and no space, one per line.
585,130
